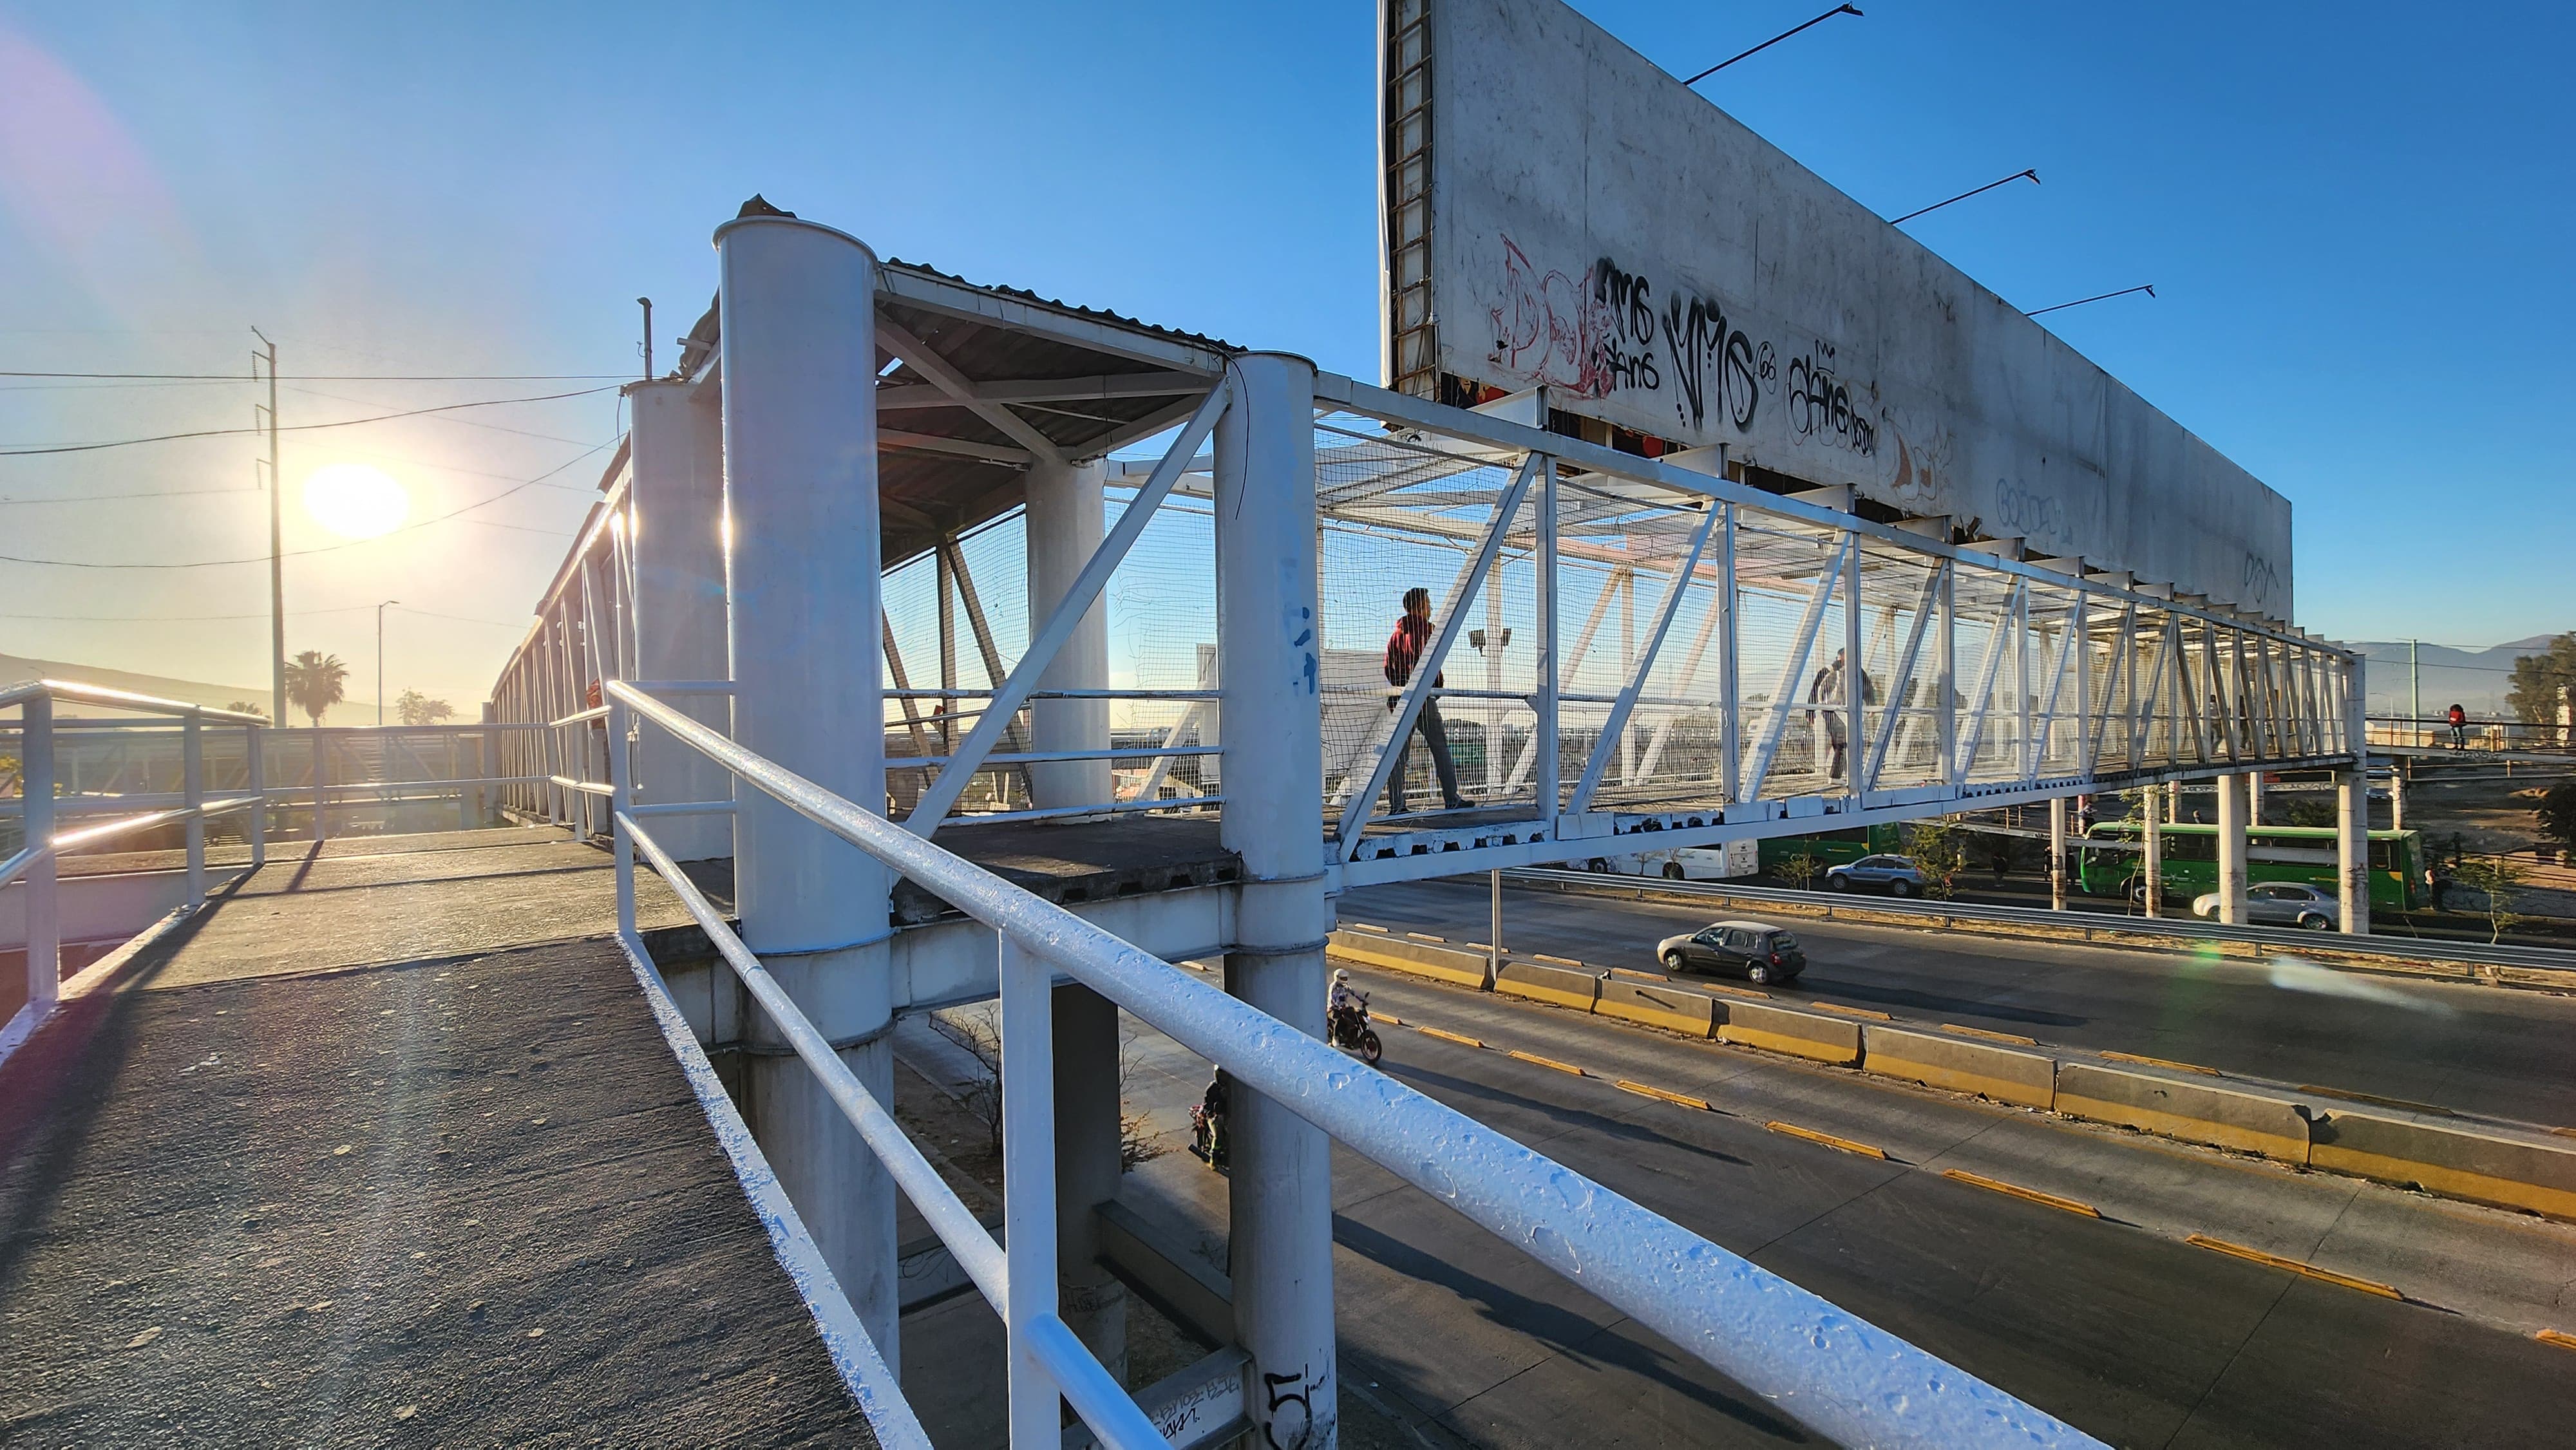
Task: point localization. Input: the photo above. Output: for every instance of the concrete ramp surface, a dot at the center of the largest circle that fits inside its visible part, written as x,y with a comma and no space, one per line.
468,1199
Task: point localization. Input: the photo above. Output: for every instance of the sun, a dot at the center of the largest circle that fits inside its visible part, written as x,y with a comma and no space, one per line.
356,500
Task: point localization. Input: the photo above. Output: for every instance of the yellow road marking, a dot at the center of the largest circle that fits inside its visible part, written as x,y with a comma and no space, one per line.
1391,1020
1851,1011
1547,1062
1730,991
1828,1139
2016,1190
2552,1336
1678,1099
1458,1037
2163,1062
1364,926
2275,1261
1425,936
1560,961
1989,1032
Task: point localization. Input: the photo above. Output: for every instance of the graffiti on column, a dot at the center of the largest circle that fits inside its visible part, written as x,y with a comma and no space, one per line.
1288,1421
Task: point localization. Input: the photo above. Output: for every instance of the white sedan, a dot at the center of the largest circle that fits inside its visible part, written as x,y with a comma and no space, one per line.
2281,903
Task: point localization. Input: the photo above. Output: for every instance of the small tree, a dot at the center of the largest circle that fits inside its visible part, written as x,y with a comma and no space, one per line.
2557,812
1938,849
2495,879
316,682
414,708
1801,869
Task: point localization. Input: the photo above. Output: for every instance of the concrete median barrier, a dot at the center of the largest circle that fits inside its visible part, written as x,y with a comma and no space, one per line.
1657,1005
2450,1157
2195,1110
1560,986
1442,963
1811,1035
2005,1074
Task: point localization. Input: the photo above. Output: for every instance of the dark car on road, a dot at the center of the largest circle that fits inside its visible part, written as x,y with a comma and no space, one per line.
1758,953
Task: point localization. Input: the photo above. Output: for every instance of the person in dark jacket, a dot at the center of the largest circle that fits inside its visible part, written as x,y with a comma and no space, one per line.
1404,650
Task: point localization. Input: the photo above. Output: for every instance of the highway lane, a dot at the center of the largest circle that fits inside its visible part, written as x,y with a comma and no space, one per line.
2115,1324
2479,1049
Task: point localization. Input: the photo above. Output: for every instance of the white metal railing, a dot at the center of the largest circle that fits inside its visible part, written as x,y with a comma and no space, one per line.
38,860
1836,1373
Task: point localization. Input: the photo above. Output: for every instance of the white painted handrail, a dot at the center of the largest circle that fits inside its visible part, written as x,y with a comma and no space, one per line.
1830,1370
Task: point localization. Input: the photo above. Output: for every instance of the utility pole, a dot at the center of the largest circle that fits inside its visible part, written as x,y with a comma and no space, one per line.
647,304
276,546
380,661
2414,685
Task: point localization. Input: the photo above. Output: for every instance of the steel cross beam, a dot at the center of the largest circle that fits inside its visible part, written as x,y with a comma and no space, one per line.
2035,748
903,683
1783,696
1014,692
2100,728
1356,810
1573,663
1617,726
1989,673
919,357
1901,679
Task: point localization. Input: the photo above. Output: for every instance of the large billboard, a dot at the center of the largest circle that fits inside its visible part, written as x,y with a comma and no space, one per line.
1562,213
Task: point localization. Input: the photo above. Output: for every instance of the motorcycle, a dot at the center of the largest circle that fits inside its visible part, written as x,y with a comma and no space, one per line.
1348,1030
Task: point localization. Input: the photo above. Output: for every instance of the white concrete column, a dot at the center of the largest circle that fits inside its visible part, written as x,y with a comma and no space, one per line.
2397,792
1281,1196
1065,521
2231,849
805,641
2352,849
677,523
2253,798
2057,853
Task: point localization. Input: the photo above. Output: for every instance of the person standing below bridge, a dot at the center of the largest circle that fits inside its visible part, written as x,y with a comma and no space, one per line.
1404,651
2459,728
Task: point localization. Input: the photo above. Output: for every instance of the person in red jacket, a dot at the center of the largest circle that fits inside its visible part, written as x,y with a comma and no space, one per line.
1403,651
2459,728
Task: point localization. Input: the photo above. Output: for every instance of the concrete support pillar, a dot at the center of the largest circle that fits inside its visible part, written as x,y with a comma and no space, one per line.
2253,797
2231,849
2057,854
2153,868
1088,1297
1065,521
2397,792
805,641
2352,849
1281,1198
676,518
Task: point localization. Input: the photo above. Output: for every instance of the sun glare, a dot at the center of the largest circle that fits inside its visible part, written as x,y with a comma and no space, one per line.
356,500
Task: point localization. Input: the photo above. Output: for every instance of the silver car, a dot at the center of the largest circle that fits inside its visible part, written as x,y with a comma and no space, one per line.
2281,903
1894,875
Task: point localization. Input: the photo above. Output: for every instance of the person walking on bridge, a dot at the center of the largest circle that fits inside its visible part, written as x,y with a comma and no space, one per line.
1404,651
2459,728
1827,690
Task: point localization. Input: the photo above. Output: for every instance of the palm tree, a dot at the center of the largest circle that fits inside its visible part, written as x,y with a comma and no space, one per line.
314,682
248,707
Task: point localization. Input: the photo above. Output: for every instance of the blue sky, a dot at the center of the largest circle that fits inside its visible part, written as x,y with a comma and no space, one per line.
2357,217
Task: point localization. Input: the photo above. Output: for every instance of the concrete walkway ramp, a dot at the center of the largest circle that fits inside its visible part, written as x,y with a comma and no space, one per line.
249,1198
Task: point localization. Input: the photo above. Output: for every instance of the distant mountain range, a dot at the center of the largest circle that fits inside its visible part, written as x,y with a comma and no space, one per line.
2475,680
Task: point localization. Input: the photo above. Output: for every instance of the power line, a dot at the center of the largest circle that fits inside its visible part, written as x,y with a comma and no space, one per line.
332,377
109,497
295,427
1853,10
461,422
263,614
326,548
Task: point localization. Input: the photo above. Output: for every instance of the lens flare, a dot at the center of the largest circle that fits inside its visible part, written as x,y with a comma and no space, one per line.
356,500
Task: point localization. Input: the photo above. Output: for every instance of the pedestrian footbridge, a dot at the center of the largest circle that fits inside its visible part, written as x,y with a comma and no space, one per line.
932,643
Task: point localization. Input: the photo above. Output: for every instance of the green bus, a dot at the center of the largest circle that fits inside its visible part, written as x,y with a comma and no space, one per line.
2272,853
1833,848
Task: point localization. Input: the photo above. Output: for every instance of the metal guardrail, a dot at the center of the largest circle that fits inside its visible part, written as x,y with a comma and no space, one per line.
1837,1374
2287,938
38,861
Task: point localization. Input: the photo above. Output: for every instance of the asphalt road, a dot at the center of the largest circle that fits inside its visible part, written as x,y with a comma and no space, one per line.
2114,1324
2478,1049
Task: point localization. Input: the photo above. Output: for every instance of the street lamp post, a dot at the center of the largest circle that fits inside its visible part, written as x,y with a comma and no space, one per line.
380,661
